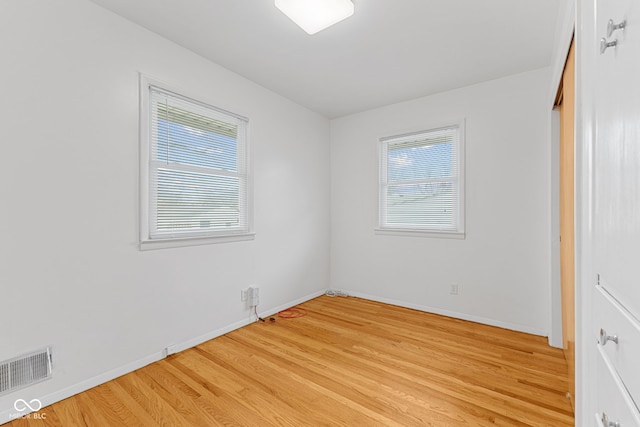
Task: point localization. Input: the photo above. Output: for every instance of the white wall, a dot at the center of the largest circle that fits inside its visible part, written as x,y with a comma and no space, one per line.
502,267
71,274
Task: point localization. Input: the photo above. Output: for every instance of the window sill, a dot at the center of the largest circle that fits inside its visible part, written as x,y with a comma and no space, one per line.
420,233
147,245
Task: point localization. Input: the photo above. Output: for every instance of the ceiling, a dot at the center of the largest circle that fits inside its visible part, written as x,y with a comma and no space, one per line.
389,51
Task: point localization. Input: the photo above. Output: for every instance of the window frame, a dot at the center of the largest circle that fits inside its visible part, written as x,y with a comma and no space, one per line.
147,242
384,229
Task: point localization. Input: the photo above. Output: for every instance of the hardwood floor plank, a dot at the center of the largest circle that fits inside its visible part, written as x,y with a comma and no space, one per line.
348,362
367,375
154,405
286,387
111,407
405,411
69,413
223,404
129,405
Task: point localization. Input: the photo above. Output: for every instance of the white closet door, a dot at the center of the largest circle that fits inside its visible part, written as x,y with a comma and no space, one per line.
617,153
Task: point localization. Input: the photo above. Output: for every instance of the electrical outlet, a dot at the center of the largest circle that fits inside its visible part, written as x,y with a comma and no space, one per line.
254,296
453,290
244,294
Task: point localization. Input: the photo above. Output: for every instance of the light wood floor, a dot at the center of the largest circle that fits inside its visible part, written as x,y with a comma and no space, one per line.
348,362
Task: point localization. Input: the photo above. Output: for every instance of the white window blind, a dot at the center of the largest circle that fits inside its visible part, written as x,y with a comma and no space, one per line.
421,185
198,179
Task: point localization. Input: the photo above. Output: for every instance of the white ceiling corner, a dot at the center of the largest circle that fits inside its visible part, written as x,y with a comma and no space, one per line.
387,52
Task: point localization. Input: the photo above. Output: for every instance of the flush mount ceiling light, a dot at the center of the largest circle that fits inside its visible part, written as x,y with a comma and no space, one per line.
315,15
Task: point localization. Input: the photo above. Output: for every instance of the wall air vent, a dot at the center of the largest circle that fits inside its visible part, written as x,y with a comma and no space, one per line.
25,370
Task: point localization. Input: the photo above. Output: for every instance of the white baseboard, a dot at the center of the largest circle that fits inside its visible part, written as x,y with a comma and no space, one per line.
59,395
176,348
51,398
292,303
555,341
455,314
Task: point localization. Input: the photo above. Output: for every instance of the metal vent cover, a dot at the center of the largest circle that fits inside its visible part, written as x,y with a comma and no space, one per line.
25,370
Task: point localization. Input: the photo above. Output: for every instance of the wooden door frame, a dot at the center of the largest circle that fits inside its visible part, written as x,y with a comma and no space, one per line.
564,39
564,36
566,103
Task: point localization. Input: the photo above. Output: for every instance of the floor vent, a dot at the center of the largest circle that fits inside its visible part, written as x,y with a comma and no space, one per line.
25,370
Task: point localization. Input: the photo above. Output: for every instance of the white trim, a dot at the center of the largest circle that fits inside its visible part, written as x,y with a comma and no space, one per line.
555,294
462,155
147,245
564,35
145,208
59,395
144,157
419,233
435,125
237,325
586,39
51,398
459,180
477,319
164,88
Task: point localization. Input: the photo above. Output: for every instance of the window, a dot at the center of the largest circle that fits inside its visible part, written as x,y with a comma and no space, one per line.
195,182
421,182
